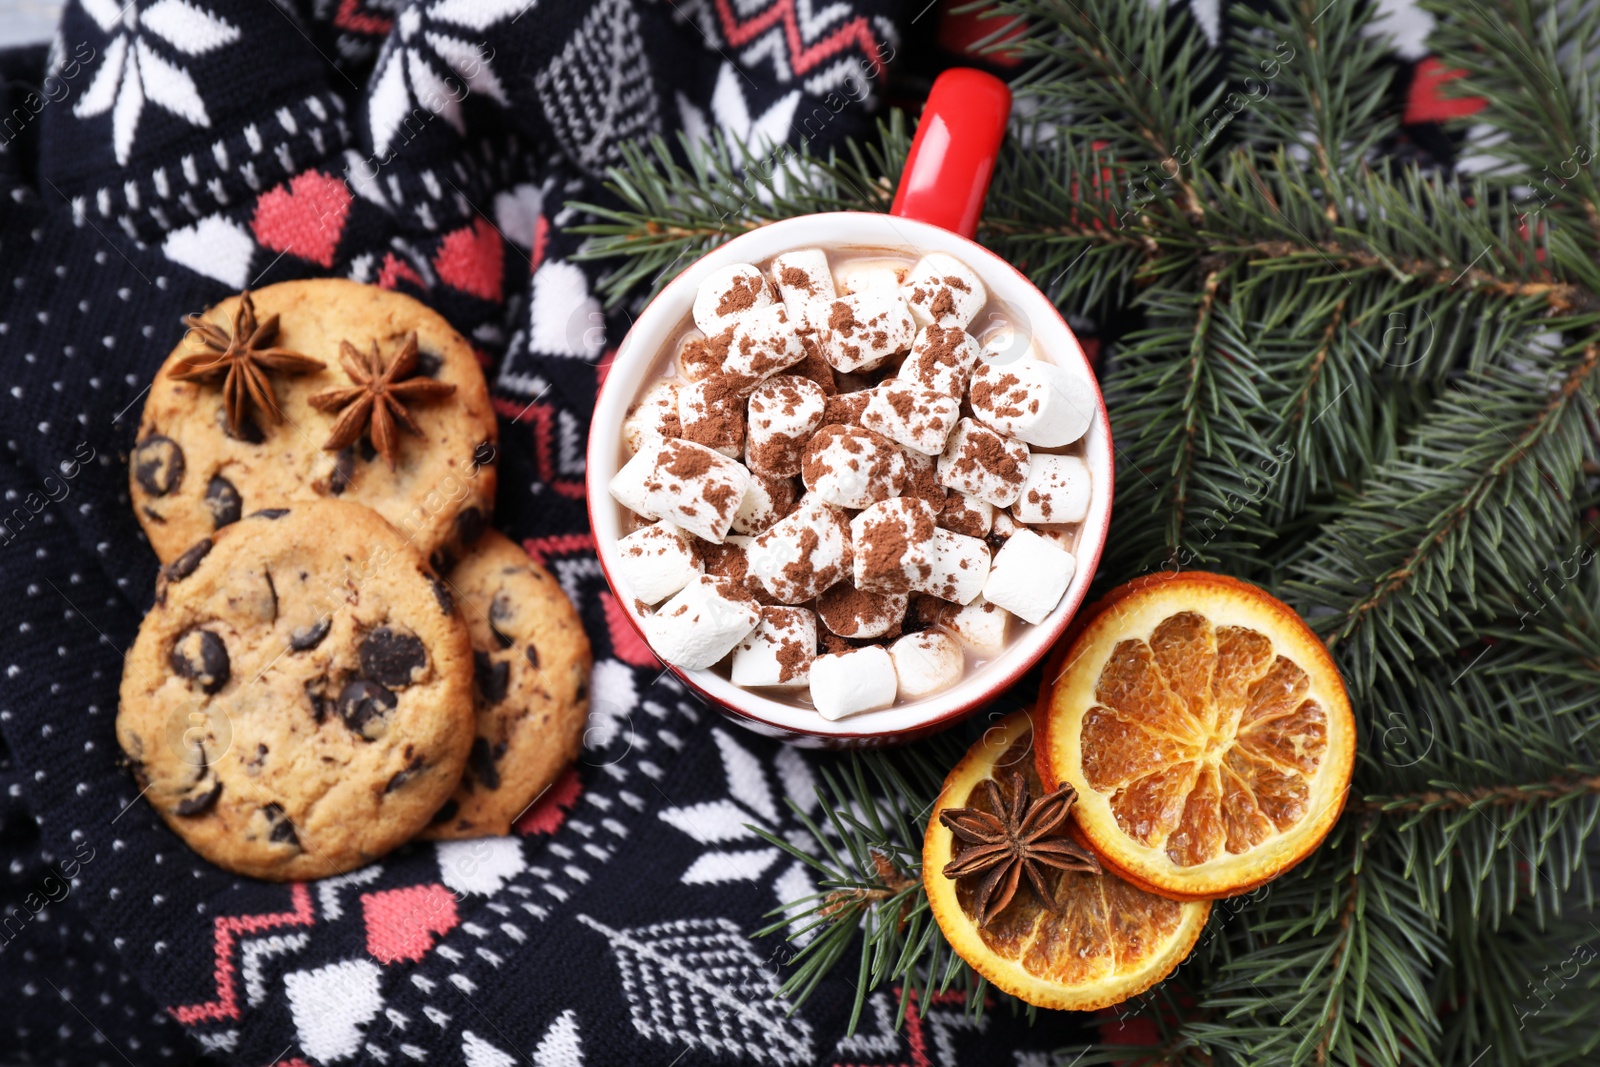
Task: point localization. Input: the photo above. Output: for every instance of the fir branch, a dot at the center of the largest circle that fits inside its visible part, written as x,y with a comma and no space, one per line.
1531,62
1478,798
671,207
1432,514
1128,75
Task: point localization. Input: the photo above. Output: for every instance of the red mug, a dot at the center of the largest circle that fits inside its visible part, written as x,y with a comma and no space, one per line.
936,209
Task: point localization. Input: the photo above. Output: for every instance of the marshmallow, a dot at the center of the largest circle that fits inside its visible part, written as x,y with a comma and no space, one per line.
966,514
764,342
844,409
941,359
892,546
852,467
960,568
860,275
910,415
1029,575
802,554
726,560
847,683
725,293
656,412
851,612
711,412
861,331
922,479
767,501
700,356
1036,402
1004,525
983,463
1055,491
779,651
656,561
926,663
981,626
703,623
687,484
802,276
784,412
942,289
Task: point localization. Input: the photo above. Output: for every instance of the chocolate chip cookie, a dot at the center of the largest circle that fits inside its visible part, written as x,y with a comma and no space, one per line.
308,390
531,660
299,699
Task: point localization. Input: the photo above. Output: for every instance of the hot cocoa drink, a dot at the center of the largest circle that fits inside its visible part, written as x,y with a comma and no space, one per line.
854,481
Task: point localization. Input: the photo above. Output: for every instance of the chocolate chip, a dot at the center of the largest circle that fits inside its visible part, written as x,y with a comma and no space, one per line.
269,513
441,593
365,450
428,365
158,465
305,638
481,760
223,501
317,693
391,657
443,560
198,805
364,706
282,830
470,525
493,678
344,471
153,515
445,814
184,565
402,776
200,656
501,615
533,656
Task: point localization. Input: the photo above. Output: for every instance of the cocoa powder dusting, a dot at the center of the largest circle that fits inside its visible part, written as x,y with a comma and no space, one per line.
682,462
741,295
846,610
796,278
841,319
885,546
957,517
814,367
704,356
922,482
943,304
990,452
844,409
793,657
799,573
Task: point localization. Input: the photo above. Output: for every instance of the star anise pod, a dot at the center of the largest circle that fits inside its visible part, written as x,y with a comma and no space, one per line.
1014,841
378,399
241,361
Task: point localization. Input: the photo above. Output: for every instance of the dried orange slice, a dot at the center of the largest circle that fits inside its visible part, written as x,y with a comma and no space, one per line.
1207,733
1107,941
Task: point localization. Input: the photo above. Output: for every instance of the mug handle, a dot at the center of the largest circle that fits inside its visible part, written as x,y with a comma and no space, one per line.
946,175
